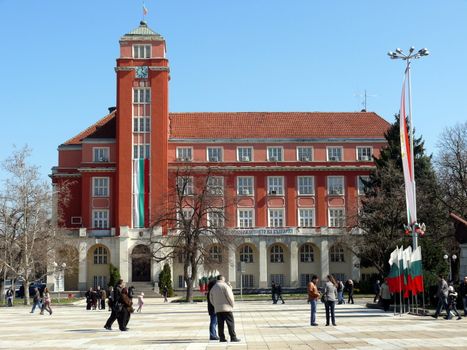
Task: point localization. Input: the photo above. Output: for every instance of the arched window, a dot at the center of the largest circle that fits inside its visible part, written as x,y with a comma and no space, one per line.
101,255
337,253
306,253
215,254
246,254
277,254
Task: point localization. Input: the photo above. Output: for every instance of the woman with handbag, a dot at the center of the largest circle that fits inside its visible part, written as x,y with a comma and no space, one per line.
127,308
46,303
330,297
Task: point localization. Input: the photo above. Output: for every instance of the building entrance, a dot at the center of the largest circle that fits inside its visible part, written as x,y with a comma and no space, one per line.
141,264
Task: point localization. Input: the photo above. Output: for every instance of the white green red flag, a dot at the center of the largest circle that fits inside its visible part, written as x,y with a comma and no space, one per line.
407,256
416,272
140,192
396,278
409,179
145,10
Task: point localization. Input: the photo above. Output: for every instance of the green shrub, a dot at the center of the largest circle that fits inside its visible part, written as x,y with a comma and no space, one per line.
165,279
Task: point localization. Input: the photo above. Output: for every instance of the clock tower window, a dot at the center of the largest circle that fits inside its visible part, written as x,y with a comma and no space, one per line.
141,51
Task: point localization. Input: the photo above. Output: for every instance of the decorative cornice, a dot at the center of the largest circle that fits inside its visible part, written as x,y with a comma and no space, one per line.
284,140
64,147
97,170
202,168
91,140
153,68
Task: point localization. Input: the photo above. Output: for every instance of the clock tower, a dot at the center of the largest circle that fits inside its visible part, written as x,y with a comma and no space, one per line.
142,127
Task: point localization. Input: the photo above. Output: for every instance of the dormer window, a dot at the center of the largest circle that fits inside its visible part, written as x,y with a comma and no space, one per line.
141,51
101,154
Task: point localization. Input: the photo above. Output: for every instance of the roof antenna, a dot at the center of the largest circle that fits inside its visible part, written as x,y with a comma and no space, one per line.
364,98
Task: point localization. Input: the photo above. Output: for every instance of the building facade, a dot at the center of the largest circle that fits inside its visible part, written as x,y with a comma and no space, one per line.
296,178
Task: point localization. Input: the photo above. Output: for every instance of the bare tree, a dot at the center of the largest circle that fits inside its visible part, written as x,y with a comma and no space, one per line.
451,168
194,218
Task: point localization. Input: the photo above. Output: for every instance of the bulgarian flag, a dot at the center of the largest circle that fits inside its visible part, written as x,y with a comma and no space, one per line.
395,277
140,193
407,256
409,179
145,10
417,271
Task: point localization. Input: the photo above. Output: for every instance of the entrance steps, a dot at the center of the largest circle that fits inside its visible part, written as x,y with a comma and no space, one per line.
146,287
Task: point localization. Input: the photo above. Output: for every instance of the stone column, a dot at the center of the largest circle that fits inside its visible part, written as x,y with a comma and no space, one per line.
463,261
83,266
355,267
324,258
293,264
122,253
232,268
263,265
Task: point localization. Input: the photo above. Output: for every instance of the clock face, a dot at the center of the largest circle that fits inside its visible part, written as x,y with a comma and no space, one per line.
142,72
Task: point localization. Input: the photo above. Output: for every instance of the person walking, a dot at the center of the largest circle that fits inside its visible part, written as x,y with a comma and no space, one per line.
349,288
47,302
9,297
313,297
274,292
463,294
279,294
340,292
452,301
98,297
330,297
385,295
36,300
123,316
103,296
222,298
88,296
212,313
131,293
116,304
140,302
376,290
165,293
442,295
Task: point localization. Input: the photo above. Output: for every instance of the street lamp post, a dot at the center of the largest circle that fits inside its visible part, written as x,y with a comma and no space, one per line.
399,54
450,260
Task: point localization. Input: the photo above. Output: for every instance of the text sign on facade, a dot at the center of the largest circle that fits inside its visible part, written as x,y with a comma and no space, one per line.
264,231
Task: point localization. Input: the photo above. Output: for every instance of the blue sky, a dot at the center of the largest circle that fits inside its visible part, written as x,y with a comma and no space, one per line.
57,60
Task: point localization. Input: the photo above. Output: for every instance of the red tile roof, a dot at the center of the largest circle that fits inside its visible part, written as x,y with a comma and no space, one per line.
76,140
240,125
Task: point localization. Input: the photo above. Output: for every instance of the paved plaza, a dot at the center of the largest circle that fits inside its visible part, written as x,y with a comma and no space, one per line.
259,324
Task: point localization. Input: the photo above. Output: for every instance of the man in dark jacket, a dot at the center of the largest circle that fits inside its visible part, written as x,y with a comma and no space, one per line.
116,304
212,314
279,294
442,295
463,294
274,293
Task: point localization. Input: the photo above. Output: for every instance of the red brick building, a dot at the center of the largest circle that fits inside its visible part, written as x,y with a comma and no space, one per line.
295,177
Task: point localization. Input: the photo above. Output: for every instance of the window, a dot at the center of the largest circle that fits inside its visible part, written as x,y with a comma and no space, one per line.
364,153
278,279
100,186
100,219
141,151
181,282
306,217
215,218
305,154
275,185
306,253
245,218
276,218
184,154
141,110
215,254
361,184
100,281
334,154
245,154
247,281
214,154
305,278
184,185
141,96
100,154
275,154
100,255
341,277
336,253
141,124
306,185
216,185
277,254
245,185
246,254
337,217
335,185
180,257
141,51
76,220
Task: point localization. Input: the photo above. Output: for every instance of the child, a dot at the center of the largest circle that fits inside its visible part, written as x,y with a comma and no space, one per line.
140,302
452,300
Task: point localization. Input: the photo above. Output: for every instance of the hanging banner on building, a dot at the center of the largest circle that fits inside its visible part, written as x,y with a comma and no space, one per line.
140,192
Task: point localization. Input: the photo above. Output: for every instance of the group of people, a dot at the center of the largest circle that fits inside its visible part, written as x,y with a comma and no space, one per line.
447,298
276,292
42,301
329,296
95,299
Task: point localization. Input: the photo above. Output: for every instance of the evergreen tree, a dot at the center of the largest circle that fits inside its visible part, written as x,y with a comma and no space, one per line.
165,279
114,275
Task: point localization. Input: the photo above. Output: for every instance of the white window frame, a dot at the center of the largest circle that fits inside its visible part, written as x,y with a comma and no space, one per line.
142,151
361,156
188,190
184,154
215,185
337,254
212,157
246,255
245,189
331,186
304,158
242,219
103,222
215,254
278,156
141,96
242,157
361,191
306,220
274,219
301,186
336,220
100,256
100,190
330,157
141,124
100,154
136,50
274,187
307,256
216,218
276,255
